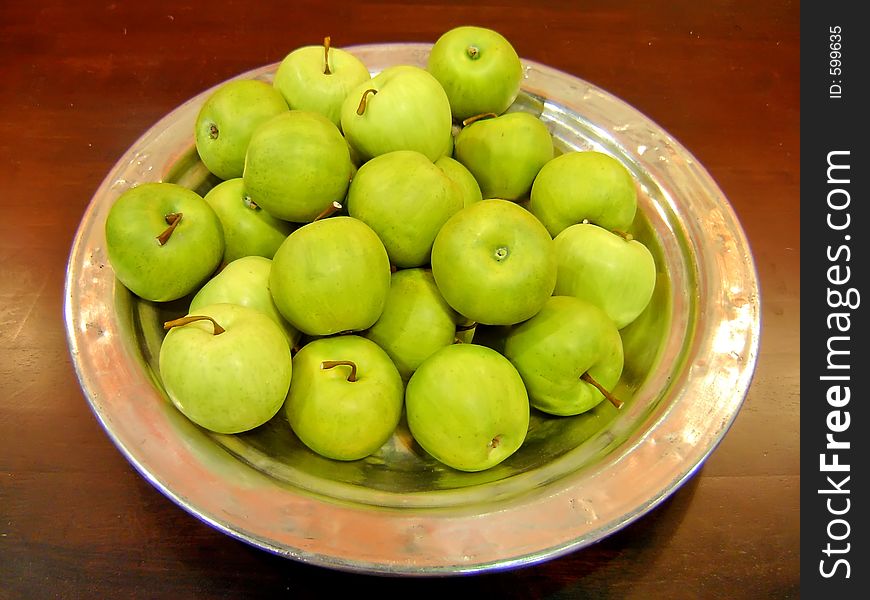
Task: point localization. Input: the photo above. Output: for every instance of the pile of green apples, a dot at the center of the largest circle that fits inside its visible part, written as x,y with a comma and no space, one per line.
407,242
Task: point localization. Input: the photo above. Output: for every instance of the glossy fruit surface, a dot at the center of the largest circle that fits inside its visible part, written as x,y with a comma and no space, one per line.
346,397
584,185
467,406
552,351
478,68
163,240
405,199
227,380
401,108
331,276
494,262
311,148
228,118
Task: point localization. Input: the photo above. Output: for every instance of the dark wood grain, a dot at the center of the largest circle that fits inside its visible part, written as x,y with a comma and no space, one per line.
82,80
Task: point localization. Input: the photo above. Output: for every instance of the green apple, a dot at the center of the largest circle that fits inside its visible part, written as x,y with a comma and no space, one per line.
494,262
163,240
346,397
467,406
416,320
561,351
478,68
505,153
297,164
248,229
405,199
331,276
401,108
615,272
584,185
244,281
227,368
469,189
227,119
318,78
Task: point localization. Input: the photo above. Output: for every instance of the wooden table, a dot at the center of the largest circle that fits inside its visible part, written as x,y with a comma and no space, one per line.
82,80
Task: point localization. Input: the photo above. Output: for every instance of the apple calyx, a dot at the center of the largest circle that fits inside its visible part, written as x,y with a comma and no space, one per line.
329,210
172,219
326,70
192,318
246,200
610,397
213,131
364,100
473,52
501,253
480,117
329,364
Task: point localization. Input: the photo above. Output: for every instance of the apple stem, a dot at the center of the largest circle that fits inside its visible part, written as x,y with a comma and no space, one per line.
328,364
326,70
329,210
172,219
362,101
470,120
466,327
613,399
250,203
624,235
190,319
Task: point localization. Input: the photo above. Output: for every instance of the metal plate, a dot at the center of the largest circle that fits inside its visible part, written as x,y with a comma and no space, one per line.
689,361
